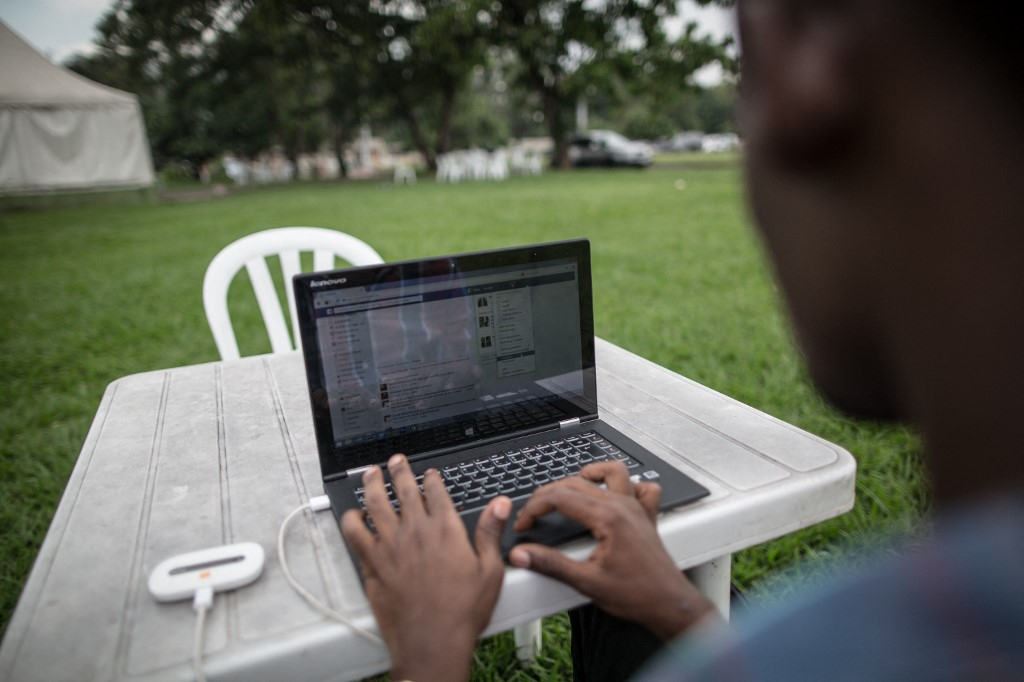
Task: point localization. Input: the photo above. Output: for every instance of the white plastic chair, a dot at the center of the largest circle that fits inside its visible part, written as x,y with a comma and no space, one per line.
252,252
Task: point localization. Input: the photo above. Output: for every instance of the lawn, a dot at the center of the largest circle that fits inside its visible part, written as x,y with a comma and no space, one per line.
92,294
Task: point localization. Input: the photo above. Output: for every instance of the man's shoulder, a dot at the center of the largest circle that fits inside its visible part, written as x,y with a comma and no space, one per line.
952,608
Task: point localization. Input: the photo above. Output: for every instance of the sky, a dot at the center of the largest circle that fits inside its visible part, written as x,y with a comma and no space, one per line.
61,28
57,28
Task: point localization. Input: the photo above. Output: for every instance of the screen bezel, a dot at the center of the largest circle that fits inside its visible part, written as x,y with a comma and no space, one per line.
334,461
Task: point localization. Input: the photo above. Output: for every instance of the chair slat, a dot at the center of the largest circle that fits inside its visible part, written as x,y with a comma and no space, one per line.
270,305
290,266
323,260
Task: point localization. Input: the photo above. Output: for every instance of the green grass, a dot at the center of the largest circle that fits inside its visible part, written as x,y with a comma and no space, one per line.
94,293
696,159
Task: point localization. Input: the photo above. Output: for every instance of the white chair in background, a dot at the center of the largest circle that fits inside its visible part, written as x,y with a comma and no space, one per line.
534,163
252,252
404,175
476,161
497,165
449,167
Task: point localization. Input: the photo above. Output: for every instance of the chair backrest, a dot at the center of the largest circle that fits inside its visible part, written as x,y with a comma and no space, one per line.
251,251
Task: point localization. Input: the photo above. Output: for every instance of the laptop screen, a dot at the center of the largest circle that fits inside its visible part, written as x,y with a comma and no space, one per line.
426,356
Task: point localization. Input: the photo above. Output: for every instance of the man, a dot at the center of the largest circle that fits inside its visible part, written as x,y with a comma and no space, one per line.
886,173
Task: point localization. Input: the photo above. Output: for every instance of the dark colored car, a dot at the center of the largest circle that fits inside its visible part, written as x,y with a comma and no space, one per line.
607,148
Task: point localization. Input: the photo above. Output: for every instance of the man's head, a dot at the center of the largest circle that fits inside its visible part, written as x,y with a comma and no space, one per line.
884,162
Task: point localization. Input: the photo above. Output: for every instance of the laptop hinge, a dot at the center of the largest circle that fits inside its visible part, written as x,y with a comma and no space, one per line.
566,423
357,470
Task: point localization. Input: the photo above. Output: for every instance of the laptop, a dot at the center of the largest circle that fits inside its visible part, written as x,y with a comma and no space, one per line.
480,365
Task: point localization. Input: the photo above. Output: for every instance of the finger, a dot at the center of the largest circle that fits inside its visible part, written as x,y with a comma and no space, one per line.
406,489
357,535
583,505
377,503
553,563
436,493
649,497
614,475
487,538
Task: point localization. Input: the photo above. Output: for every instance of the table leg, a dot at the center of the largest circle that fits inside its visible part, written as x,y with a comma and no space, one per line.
528,642
713,579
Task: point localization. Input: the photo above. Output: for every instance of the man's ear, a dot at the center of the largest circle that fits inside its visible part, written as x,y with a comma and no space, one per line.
802,90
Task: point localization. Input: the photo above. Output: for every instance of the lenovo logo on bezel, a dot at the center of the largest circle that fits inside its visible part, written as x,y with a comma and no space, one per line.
328,282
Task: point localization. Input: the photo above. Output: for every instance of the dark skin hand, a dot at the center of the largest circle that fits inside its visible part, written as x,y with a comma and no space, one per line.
629,574
431,591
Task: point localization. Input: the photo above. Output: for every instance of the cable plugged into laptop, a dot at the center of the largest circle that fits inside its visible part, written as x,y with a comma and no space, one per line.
320,503
315,504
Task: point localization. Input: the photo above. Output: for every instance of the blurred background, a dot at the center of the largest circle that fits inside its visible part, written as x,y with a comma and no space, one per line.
243,92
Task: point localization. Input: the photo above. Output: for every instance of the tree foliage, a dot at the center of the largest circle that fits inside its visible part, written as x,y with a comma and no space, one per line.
160,51
246,76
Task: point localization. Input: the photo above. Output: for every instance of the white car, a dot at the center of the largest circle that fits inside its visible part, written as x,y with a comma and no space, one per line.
720,142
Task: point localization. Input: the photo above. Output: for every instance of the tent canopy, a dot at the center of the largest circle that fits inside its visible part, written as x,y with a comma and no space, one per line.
60,131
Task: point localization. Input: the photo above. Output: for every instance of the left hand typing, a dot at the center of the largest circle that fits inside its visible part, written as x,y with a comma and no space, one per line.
431,591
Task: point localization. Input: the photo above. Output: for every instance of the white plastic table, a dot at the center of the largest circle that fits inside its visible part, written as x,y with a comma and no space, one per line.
197,456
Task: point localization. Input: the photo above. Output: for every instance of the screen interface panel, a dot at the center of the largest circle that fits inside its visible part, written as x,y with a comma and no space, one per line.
441,359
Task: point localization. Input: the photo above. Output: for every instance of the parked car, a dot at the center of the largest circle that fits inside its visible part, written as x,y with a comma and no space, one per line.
607,148
686,141
721,142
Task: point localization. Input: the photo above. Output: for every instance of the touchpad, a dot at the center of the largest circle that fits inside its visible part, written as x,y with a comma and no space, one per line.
551,529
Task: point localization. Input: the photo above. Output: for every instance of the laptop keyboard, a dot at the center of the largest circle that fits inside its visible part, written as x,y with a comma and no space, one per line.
517,473
506,417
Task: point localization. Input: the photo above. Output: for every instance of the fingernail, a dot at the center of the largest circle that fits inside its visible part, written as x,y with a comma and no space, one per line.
396,460
371,472
502,508
519,557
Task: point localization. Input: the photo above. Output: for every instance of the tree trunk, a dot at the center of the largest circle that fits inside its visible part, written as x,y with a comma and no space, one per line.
556,127
444,126
418,137
338,143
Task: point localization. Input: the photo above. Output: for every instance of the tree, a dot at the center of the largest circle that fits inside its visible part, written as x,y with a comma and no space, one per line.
160,51
412,60
565,47
716,108
271,86
214,75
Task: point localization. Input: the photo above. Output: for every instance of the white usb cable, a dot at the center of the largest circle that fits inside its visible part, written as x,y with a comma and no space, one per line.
315,504
202,603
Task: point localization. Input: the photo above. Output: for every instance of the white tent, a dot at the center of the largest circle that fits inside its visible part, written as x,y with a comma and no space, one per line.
60,131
